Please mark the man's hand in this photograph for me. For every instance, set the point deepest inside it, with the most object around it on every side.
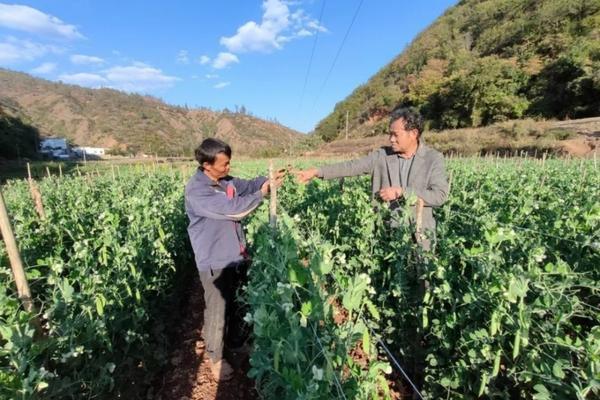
(390, 193)
(279, 176)
(306, 175)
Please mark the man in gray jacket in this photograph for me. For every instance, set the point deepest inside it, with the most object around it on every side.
(406, 167)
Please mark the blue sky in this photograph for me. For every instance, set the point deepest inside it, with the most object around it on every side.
(216, 54)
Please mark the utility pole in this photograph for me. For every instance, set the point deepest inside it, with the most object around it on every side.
(347, 112)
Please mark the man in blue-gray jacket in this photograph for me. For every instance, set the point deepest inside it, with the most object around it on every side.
(215, 204)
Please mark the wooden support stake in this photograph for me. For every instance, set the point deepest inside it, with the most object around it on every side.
(48, 171)
(183, 174)
(36, 196)
(419, 220)
(15, 258)
(60, 170)
(112, 170)
(544, 156)
(273, 198)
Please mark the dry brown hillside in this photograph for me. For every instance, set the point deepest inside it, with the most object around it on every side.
(132, 123)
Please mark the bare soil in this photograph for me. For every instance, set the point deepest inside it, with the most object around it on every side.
(188, 376)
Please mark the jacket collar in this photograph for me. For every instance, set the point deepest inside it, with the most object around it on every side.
(204, 179)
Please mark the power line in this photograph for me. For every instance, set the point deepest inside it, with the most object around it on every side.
(312, 53)
(338, 52)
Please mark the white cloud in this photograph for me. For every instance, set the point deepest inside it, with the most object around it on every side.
(183, 57)
(24, 18)
(80, 59)
(84, 79)
(221, 85)
(278, 26)
(138, 77)
(204, 59)
(224, 59)
(314, 25)
(14, 50)
(303, 32)
(44, 68)
(211, 76)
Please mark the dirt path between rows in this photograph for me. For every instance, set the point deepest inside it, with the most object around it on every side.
(188, 375)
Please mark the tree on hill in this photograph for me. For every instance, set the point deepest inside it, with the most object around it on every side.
(485, 61)
(17, 139)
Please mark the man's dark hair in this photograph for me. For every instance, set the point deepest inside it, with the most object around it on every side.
(412, 119)
(208, 150)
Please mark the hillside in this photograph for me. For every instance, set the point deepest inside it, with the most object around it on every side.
(576, 138)
(486, 61)
(129, 123)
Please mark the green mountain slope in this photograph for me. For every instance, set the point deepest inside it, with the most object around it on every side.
(486, 61)
(130, 123)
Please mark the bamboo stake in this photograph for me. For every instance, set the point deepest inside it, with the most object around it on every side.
(48, 171)
(16, 264)
(419, 219)
(112, 170)
(36, 196)
(273, 198)
(183, 174)
(60, 170)
(544, 156)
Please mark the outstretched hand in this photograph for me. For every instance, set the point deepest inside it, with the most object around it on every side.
(306, 175)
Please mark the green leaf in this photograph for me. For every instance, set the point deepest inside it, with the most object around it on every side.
(373, 310)
(66, 290)
(541, 392)
(100, 301)
(306, 308)
(366, 342)
(557, 370)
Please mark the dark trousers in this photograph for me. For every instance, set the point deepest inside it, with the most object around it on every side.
(223, 313)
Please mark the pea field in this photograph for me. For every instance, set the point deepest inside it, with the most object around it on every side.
(342, 303)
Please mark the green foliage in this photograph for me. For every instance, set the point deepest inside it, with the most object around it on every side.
(484, 93)
(564, 89)
(485, 61)
(17, 139)
(510, 305)
(510, 309)
(102, 269)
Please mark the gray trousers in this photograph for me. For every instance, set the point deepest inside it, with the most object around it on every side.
(223, 314)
